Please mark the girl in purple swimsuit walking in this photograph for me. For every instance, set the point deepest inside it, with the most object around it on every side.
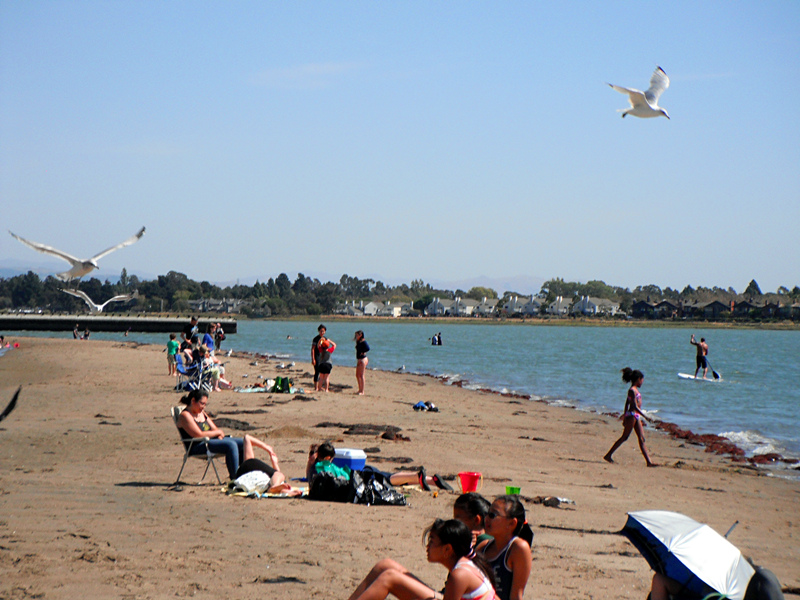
(632, 416)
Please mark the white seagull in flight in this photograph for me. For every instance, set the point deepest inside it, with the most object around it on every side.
(80, 267)
(645, 104)
(98, 308)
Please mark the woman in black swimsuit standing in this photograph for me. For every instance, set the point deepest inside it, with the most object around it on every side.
(362, 347)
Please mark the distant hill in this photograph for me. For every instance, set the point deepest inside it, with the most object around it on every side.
(10, 267)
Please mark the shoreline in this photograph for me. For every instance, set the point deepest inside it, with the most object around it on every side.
(89, 507)
(712, 442)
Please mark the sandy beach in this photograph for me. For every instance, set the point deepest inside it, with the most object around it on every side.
(88, 509)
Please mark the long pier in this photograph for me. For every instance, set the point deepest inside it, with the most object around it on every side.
(106, 323)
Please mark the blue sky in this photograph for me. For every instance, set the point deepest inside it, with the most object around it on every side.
(444, 141)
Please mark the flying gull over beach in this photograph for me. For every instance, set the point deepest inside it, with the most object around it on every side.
(645, 104)
(80, 267)
(98, 308)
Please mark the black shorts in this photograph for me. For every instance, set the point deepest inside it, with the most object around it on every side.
(324, 368)
(254, 464)
(701, 362)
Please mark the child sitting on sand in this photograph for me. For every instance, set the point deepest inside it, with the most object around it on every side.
(471, 509)
(448, 543)
(509, 553)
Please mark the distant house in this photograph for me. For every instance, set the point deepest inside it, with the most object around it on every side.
(707, 310)
(390, 310)
(408, 310)
(533, 306)
(463, 307)
(643, 309)
(439, 307)
(559, 306)
(486, 307)
(224, 305)
(515, 304)
(745, 308)
(594, 307)
(371, 308)
(350, 309)
(667, 309)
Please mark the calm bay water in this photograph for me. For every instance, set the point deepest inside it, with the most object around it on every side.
(755, 405)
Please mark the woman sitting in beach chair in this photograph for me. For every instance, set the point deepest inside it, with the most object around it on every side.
(448, 543)
(193, 422)
(509, 553)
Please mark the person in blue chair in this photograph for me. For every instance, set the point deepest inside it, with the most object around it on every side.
(193, 422)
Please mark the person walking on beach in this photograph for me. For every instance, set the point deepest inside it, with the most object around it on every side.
(362, 347)
(172, 350)
(632, 416)
(702, 352)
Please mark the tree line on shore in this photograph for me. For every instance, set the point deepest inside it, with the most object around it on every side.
(279, 296)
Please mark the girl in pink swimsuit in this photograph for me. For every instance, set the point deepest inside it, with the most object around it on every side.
(632, 416)
(449, 543)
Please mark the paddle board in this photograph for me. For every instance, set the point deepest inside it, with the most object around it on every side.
(693, 378)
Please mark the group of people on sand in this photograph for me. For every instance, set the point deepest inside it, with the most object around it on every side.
(199, 354)
(194, 422)
(321, 349)
(486, 549)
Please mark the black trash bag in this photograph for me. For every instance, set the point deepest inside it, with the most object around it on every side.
(329, 487)
(377, 491)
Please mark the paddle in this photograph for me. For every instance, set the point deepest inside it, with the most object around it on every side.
(713, 372)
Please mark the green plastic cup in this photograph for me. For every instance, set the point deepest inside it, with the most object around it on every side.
(512, 490)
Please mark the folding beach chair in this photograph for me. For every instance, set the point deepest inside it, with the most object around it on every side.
(191, 377)
(188, 444)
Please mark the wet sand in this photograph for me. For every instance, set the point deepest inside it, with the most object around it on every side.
(88, 509)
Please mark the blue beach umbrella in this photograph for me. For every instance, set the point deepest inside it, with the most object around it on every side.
(689, 552)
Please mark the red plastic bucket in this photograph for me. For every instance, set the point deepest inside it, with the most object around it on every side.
(469, 482)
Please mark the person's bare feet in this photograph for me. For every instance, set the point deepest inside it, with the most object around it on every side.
(608, 459)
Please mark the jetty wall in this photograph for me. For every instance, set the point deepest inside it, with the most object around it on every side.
(106, 323)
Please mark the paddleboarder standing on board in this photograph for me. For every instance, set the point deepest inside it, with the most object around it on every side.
(702, 352)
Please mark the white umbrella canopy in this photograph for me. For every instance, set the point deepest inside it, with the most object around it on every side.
(689, 552)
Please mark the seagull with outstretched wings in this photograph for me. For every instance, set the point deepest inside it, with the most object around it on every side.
(80, 267)
(645, 104)
(93, 306)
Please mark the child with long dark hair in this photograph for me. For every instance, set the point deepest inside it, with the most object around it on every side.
(471, 509)
(448, 543)
(632, 415)
(509, 553)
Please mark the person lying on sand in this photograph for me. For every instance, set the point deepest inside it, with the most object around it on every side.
(320, 460)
